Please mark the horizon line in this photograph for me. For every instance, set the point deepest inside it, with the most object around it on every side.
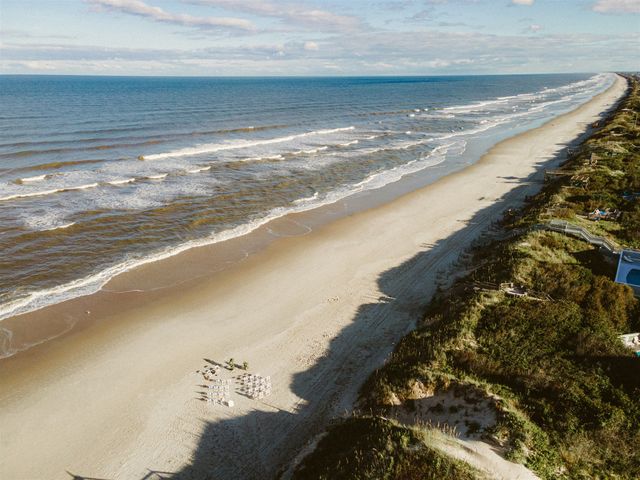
(311, 76)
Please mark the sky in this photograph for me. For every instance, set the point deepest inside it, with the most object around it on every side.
(317, 37)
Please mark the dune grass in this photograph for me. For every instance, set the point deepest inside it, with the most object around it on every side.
(375, 447)
(568, 390)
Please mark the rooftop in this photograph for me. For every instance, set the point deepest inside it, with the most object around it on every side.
(629, 269)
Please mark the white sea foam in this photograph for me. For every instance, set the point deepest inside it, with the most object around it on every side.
(489, 123)
(199, 169)
(37, 178)
(431, 159)
(306, 200)
(81, 187)
(60, 227)
(237, 144)
(474, 106)
(121, 182)
(440, 115)
(30, 194)
(92, 283)
(311, 150)
(541, 106)
(40, 193)
(595, 82)
(159, 176)
(397, 145)
(259, 159)
(46, 221)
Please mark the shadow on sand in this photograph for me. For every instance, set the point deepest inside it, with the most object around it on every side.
(260, 444)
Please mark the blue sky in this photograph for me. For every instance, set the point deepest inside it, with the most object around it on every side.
(318, 37)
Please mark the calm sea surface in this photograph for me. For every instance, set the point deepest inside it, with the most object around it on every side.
(99, 174)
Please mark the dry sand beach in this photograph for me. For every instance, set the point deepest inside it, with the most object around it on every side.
(122, 398)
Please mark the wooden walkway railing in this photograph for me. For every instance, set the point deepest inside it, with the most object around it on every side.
(563, 226)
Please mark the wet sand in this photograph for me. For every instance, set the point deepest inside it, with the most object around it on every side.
(119, 396)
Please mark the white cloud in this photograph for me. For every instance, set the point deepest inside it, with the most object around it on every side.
(295, 14)
(535, 28)
(359, 53)
(617, 6)
(38, 65)
(522, 2)
(23, 34)
(311, 46)
(138, 7)
(440, 63)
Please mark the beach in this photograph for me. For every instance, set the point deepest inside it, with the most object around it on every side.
(317, 311)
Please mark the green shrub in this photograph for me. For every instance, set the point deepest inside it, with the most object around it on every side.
(373, 447)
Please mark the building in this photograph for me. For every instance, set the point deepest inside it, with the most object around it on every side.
(629, 270)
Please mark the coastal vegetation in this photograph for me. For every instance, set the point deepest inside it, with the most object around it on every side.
(374, 447)
(526, 343)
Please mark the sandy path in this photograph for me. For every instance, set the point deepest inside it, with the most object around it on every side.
(317, 313)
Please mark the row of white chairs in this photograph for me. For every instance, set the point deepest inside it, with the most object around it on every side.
(221, 381)
(219, 388)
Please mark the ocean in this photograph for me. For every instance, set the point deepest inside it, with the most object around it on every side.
(100, 174)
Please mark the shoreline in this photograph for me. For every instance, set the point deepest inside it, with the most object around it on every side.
(307, 339)
(207, 258)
